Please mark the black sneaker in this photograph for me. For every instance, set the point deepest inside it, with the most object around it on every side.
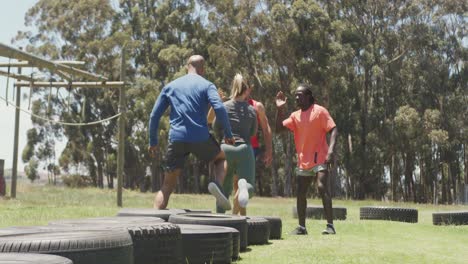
(329, 230)
(299, 230)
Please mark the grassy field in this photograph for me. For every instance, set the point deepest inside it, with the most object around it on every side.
(357, 241)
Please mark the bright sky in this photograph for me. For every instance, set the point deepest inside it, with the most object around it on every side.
(12, 19)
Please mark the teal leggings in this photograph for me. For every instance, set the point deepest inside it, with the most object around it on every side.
(241, 162)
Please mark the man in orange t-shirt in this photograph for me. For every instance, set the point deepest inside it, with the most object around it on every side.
(310, 125)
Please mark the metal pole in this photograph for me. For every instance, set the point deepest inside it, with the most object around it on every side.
(121, 151)
(14, 172)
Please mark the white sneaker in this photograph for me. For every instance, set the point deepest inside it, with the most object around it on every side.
(243, 193)
(221, 199)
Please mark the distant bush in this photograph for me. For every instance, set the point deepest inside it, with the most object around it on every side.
(76, 181)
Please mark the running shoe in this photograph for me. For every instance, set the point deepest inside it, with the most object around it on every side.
(329, 230)
(215, 189)
(299, 230)
(243, 193)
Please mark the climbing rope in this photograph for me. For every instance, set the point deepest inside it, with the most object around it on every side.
(60, 122)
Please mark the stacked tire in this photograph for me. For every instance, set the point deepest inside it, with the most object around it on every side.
(154, 241)
(276, 226)
(30, 258)
(208, 244)
(258, 231)
(79, 246)
(237, 222)
(149, 212)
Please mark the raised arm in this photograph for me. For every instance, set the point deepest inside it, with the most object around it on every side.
(211, 114)
(158, 110)
(221, 114)
(280, 112)
(264, 124)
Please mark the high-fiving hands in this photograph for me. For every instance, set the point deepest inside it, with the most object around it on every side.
(280, 99)
(153, 150)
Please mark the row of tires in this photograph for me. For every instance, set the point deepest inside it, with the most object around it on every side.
(389, 213)
(138, 236)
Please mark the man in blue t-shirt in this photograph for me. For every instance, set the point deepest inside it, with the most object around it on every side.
(189, 98)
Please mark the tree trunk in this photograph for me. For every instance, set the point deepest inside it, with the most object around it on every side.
(196, 176)
(393, 178)
(288, 166)
(261, 176)
(444, 186)
(465, 160)
(2, 178)
(409, 167)
(274, 175)
(100, 180)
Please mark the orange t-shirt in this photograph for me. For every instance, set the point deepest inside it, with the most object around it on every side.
(310, 129)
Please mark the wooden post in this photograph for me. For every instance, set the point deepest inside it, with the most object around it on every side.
(2, 179)
(14, 170)
(121, 151)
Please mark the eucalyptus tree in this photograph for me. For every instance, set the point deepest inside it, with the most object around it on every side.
(75, 30)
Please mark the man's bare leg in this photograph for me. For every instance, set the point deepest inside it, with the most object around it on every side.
(162, 196)
(322, 186)
(215, 188)
(303, 183)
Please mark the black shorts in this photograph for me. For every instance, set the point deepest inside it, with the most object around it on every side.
(177, 152)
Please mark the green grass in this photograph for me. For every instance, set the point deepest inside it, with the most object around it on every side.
(357, 241)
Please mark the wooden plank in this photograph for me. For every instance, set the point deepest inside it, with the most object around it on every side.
(122, 123)
(28, 64)
(18, 77)
(72, 84)
(10, 52)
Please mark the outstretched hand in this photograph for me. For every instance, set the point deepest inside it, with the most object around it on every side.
(153, 150)
(222, 95)
(280, 99)
(229, 141)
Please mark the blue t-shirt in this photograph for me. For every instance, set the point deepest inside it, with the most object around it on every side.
(189, 97)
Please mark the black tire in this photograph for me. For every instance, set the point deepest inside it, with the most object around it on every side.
(276, 226)
(30, 258)
(235, 243)
(206, 244)
(450, 218)
(202, 211)
(389, 213)
(316, 212)
(154, 241)
(150, 212)
(108, 221)
(82, 247)
(259, 231)
(237, 222)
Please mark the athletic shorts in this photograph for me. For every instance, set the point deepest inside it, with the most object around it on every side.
(312, 171)
(178, 151)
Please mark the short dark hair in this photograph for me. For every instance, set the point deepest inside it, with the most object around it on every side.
(308, 89)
